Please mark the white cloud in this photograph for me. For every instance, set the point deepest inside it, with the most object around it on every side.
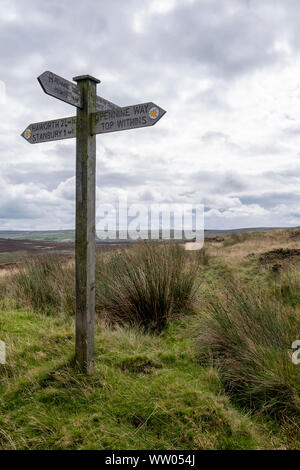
(226, 72)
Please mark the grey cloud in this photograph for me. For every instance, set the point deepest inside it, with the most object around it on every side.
(215, 136)
(46, 179)
(220, 182)
(292, 131)
(228, 38)
(16, 209)
(118, 179)
(233, 41)
(283, 176)
(268, 148)
(271, 199)
(139, 178)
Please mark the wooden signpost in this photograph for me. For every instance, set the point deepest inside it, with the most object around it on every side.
(95, 115)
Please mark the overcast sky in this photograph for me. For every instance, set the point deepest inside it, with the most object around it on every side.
(226, 71)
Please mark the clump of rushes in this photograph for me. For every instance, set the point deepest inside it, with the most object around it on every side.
(287, 288)
(247, 336)
(145, 285)
(44, 284)
(235, 238)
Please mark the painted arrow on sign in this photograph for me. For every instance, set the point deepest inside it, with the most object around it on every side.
(129, 117)
(64, 128)
(62, 89)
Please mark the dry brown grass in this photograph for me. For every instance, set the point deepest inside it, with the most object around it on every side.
(256, 243)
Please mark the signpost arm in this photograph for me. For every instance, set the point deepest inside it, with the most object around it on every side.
(85, 225)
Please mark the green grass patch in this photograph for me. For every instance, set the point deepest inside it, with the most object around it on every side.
(150, 391)
(147, 392)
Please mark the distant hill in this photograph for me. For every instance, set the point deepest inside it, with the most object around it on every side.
(42, 235)
(214, 233)
(69, 235)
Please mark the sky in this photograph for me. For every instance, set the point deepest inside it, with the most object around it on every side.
(226, 72)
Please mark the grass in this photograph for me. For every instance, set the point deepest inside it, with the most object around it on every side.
(12, 257)
(253, 244)
(146, 285)
(247, 336)
(43, 284)
(288, 287)
(148, 392)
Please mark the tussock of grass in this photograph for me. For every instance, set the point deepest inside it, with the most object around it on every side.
(146, 285)
(287, 288)
(235, 238)
(44, 284)
(247, 336)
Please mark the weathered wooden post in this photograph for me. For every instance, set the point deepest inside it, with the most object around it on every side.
(95, 115)
(85, 225)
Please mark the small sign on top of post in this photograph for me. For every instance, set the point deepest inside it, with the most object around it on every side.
(62, 89)
(95, 115)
